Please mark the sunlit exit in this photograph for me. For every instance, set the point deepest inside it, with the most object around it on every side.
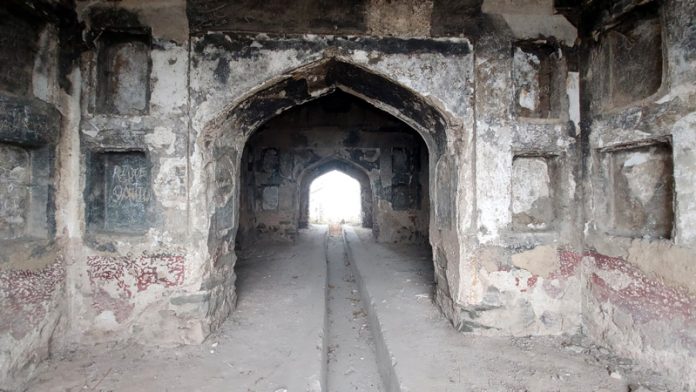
(334, 198)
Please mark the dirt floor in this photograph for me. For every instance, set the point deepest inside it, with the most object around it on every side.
(272, 342)
(420, 351)
(328, 314)
(352, 359)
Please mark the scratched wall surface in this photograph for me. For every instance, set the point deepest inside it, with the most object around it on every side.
(27, 294)
(137, 254)
(115, 280)
(119, 192)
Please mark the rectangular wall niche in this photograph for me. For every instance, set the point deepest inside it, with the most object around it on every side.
(642, 186)
(533, 202)
(539, 79)
(18, 45)
(15, 180)
(633, 51)
(24, 191)
(120, 195)
(269, 198)
(405, 188)
(123, 73)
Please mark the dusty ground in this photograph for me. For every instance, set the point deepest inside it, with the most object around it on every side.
(352, 363)
(287, 335)
(272, 342)
(427, 354)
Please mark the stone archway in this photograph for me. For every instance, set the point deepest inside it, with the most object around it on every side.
(223, 141)
(320, 168)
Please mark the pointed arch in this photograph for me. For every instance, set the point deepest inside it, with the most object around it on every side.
(321, 78)
(349, 168)
(222, 142)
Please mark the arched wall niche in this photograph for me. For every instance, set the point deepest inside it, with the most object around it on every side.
(349, 168)
(223, 139)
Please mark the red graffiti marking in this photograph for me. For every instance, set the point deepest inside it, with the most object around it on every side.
(532, 280)
(569, 262)
(645, 298)
(146, 270)
(555, 283)
(26, 296)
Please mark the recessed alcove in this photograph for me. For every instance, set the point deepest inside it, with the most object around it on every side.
(642, 190)
(123, 73)
(538, 80)
(118, 195)
(628, 59)
(534, 202)
(28, 133)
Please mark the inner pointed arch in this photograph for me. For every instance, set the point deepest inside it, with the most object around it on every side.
(346, 167)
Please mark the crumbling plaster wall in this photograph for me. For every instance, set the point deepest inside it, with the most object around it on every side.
(135, 275)
(519, 274)
(639, 293)
(38, 111)
(479, 286)
(506, 222)
(166, 262)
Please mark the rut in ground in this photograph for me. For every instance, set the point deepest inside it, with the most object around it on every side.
(352, 363)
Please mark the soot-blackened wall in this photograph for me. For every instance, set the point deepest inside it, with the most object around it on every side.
(337, 132)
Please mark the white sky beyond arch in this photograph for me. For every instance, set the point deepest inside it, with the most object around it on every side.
(334, 197)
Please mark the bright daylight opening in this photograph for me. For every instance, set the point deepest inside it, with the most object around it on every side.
(334, 198)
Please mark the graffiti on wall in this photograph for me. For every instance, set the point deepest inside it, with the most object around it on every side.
(26, 295)
(645, 298)
(129, 273)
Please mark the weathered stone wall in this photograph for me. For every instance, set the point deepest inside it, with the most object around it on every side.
(35, 115)
(639, 105)
(540, 223)
(158, 165)
(136, 275)
(519, 271)
(286, 154)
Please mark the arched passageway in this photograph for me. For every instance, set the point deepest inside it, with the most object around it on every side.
(336, 132)
(390, 162)
(250, 196)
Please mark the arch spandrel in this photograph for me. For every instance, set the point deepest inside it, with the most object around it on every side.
(315, 80)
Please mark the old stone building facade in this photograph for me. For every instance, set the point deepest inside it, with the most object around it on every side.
(545, 151)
